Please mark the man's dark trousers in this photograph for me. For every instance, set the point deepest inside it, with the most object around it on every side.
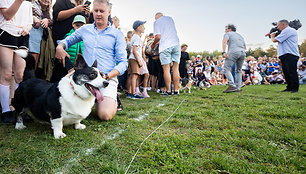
(289, 66)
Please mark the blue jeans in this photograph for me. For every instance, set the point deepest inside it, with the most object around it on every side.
(236, 58)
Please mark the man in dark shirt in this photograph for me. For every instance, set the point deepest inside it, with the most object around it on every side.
(64, 12)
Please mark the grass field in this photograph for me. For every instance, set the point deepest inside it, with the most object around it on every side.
(260, 130)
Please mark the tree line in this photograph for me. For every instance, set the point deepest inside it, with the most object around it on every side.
(258, 52)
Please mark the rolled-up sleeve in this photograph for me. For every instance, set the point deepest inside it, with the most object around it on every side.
(74, 38)
(285, 34)
(121, 54)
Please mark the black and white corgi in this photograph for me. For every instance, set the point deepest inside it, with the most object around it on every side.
(64, 103)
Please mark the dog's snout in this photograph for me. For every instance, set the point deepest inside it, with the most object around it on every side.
(105, 84)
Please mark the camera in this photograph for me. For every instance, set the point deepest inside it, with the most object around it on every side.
(296, 24)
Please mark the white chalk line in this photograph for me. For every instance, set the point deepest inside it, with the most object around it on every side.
(90, 151)
(152, 134)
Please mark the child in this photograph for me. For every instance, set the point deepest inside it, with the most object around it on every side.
(77, 48)
(136, 62)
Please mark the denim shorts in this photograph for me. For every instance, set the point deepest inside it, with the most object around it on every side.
(35, 40)
(169, 55)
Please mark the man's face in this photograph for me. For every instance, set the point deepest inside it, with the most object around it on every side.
(281, 26)
(101, 12)
(141, 28)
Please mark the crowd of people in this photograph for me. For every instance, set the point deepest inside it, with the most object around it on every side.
(155, 63)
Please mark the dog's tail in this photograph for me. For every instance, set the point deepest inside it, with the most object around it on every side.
(29, 71)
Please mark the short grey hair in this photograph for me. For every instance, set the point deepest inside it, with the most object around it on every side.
(284, 21)
(159, 14)
(103, 1)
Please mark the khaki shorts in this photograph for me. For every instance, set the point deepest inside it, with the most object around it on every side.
(133, 67)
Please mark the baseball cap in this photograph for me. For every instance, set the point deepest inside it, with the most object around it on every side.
(198, 55)
(137, 24)
(79, 18)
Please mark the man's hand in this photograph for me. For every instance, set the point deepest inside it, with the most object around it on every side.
(80, 8)
(225, 55)
(61, 54)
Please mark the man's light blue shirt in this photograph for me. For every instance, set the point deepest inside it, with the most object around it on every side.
(107, 46)
(288, 42)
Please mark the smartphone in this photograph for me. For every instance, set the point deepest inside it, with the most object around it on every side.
(87, 3)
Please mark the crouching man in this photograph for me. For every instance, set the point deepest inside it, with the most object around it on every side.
(106, 44)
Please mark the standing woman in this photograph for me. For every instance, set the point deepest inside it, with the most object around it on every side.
(16, 21)
(42, 19)
(183, 61)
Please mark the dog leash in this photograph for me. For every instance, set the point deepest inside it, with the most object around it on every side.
(152, 134)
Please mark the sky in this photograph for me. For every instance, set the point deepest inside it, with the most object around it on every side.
(201, 23)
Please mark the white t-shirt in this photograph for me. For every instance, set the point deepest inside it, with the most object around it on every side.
(22, 18)
(207, 75)
(136, 41)
(166, 28)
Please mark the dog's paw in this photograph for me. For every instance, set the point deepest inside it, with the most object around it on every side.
(59, 135)
(79, 126)
(19, 126)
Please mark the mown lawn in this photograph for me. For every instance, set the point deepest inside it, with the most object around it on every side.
(260, 130)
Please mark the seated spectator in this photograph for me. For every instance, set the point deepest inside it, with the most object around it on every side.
(208, 75)
(77, 48)
(272, 66)
(302, 73)
(256, 77)
(264, 77)
(263, 66)
(276, 78)
(200, 77)
(214, 76)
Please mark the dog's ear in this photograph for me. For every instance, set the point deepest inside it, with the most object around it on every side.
(95, 64)
(80, 62)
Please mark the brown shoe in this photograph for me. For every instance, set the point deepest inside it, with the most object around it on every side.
(230, 89)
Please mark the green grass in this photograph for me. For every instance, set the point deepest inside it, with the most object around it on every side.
(260, 130)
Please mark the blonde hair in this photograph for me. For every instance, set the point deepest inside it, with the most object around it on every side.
(184, 45)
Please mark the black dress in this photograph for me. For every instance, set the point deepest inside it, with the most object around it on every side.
(182, 67)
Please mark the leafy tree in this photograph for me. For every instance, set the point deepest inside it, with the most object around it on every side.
(249, 52)
(303, 48)
(259, 52)
(271, 52)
